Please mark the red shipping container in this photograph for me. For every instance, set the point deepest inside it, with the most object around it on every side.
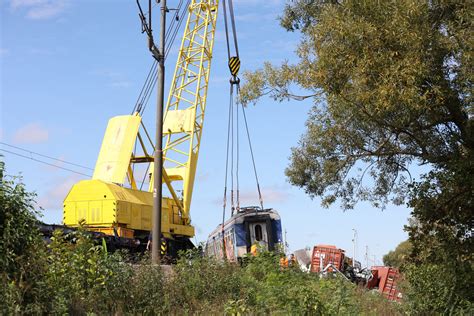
(387, 282)
(324, 255)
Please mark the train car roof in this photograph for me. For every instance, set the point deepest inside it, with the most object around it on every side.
(240, 216)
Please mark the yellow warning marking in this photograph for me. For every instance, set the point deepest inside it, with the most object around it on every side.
(163, 247)
(234, 65)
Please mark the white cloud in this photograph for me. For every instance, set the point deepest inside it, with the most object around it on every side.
(40, 9)
(31, 134)
(54, 197)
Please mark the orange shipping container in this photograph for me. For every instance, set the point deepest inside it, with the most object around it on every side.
(324, 255)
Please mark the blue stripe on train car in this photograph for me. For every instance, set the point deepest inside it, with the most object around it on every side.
(276, 228)
(240, 235)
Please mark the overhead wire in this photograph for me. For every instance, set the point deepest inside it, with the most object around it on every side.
(139, 104)
(150, 81)
(46, 156)
(178, 26)
(44, 162)
(170, 36)
(144, 176)
(148, 92)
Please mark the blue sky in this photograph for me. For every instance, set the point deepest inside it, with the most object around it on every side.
(66, 67)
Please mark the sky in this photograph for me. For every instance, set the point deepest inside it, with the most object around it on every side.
(66, 67)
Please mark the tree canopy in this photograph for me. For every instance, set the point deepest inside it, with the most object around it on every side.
(392, 86)
(399, 256)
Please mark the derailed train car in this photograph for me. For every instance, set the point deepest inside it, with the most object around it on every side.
(250, 226)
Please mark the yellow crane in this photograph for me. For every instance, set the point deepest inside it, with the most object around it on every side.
(111, 202)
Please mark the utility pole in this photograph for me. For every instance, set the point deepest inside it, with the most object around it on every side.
(366, 256)
(158, 154)
(354, 241)
(159, 54)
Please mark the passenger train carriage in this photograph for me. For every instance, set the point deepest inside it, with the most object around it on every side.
(251, 225)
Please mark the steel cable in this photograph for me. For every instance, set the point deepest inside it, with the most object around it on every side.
(237, 153)
(226, 166)
(44, 162)
(232, 19)
(45, 156)
(251, 149)
(226, 29)
(150, 81)
(138, 104)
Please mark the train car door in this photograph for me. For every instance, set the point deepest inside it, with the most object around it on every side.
(259, 234)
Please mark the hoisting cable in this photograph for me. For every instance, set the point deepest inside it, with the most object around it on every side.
(237, 154)
(232, 19)
(234, 66)
(226, 169)
(232, 153)
(234, 61)
(251, 149)
(226, 30)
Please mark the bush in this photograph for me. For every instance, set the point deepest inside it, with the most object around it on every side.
(82, 276)
(22, 252)
(434, 288)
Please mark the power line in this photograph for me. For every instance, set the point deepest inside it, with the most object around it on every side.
(170, 36)
(44, 162)
(45, 156)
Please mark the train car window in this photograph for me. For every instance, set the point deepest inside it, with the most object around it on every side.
(258, 232)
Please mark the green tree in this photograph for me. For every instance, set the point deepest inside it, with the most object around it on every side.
(22, 252)
(392, 88)
(399, 256)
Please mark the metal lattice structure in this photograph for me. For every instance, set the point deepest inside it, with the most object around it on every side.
(184, 111)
